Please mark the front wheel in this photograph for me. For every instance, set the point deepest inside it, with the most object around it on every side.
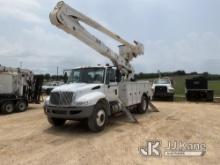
(99, 118)
(143, 106)
(56, 122)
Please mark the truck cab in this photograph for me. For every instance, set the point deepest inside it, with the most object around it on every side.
(93, 94)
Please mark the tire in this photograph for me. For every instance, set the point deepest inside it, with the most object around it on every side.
(56, 122)
(99, 118)
(143, 106)
(21, 106)
(7, 107)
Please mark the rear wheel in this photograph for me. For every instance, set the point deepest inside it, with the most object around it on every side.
(55, 121)
(143, 106)
(7, 107)
(99, 118)
(21, 106)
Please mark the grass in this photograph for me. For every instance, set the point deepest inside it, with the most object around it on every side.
(215, 85)
(179, 84)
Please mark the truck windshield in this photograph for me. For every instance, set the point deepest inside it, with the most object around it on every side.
(87, 75)
(162, 81)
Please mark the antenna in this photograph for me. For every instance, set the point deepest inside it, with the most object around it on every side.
(21, 63)
(159, 73)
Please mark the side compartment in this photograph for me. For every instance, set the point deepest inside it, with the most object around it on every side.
(125, 93)
(131, 92)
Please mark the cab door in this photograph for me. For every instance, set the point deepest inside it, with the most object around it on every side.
(111, 86)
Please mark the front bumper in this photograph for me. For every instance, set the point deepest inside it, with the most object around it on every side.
(68, 112)
(163, 94)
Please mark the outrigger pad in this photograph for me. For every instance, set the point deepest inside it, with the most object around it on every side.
(132, 118)
(154, 108)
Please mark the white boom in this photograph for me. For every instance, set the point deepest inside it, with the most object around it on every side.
(68, 19)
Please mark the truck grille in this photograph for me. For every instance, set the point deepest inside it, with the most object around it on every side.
(160, 89)
(61, 98)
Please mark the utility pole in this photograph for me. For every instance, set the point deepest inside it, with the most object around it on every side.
(159, 73)
(57, 72)
(21, 64)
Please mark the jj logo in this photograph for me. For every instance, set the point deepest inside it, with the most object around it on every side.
(152, 148)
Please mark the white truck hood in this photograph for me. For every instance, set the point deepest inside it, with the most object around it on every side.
(75, 87)
(163, 85)
(84, 94)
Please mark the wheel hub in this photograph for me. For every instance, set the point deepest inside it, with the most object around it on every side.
(144, 105)
(22, 106)
(9, 108)
(100, 118)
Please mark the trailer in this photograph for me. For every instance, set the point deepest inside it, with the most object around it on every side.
(197, 90)
(18, 87)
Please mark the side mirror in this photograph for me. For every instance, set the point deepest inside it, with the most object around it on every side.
(65, 77)
(118, 76)
(107, 81)
(172, 82)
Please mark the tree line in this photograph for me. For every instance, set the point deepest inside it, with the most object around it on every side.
(141, 75)
(177, 73)
(49, 77)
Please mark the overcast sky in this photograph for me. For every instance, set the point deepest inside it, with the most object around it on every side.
(177, 34)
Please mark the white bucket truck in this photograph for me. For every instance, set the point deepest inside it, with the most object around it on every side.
(94, 93)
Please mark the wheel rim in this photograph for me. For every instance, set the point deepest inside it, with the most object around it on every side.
(144, 105)
(9, 108)
(22, 106)
(100, 118)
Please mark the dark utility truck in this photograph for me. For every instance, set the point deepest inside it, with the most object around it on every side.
(197, 90)
(18, 87)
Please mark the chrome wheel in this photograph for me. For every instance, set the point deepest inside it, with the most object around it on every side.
(144, 105)
(100, 118)
(97, 121)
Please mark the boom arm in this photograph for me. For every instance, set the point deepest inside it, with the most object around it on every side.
(68, 19)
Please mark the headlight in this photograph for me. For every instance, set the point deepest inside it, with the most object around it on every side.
(82, 103)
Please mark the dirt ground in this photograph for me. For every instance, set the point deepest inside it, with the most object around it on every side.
(27, 138)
